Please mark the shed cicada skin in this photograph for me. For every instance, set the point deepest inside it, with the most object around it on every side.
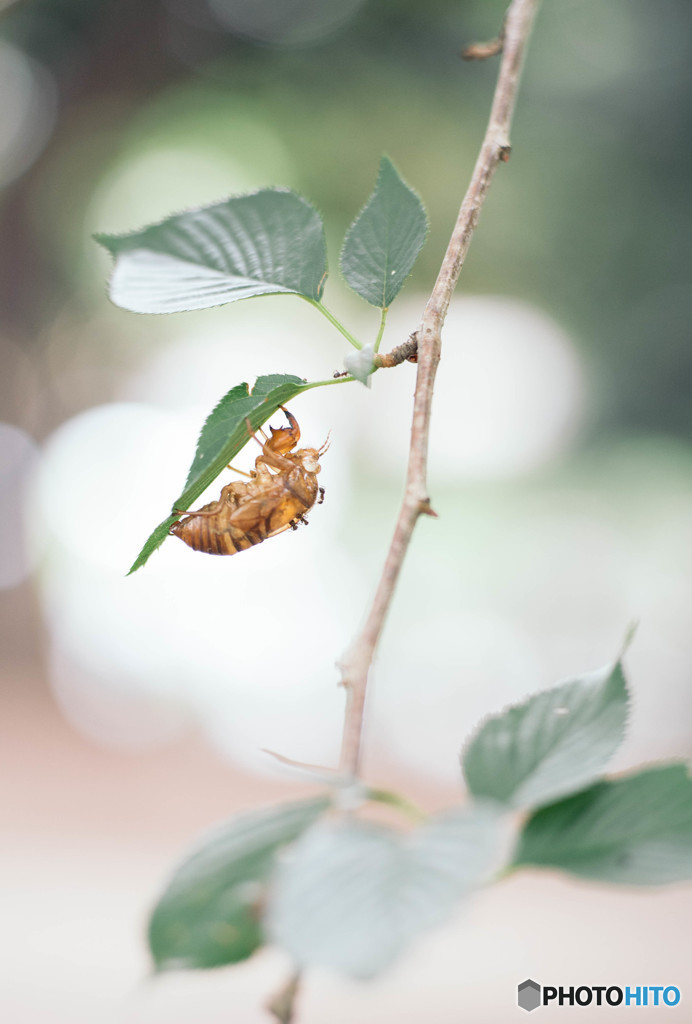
(274, 497)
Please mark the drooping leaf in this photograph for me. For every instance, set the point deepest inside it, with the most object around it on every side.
(210, 912)
(632, 831)
(260, 244)
(351, 896)
(550, 745)
(223, 435)
(383, 242)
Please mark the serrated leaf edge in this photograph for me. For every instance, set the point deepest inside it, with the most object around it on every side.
(384, 158)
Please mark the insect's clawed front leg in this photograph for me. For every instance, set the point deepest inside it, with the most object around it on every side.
(292, 421)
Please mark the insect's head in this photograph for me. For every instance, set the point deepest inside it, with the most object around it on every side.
(309, 459)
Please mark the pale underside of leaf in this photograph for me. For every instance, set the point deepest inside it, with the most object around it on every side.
(149, 282)
(351, 897)
(269, 242)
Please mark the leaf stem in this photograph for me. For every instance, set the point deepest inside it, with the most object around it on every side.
(330, 380)
(334, 321)
(495, 149)
(400, 803)
(383, 320)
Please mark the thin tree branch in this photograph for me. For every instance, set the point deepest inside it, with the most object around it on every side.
(355, 665)
(408, 350)
(282, 1004)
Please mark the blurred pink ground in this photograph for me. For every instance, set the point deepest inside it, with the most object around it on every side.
(88, 837)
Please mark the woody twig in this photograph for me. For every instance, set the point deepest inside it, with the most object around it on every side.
(495, 149)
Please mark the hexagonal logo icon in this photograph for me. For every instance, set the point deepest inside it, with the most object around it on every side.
(529, 995)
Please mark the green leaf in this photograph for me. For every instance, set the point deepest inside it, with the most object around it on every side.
(351, 896)
(633, 831)
(552, 744)
(383, 242)
(267, 242)
(223, 435)
(209, 914)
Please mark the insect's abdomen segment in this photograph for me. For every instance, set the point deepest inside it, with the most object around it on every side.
(201, 534)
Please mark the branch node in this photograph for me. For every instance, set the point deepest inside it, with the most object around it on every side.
(505, 153)
(425, 509)
(481, 51)
(408, 351)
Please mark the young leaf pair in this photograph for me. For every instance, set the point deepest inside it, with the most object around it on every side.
(266, 243)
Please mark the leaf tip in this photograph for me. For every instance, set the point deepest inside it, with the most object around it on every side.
(386, 162)
(382, 244)
(628, 639)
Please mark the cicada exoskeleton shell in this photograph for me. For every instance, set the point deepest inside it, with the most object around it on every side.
(275, 497)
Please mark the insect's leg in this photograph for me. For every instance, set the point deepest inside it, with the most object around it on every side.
(321, 496)
(262, 459)
(191, 512)
(282, 529)
(300, 520)
(241, 471)
(274, 460)
(293, 421)
(252, 433)
(283, 439)
(212, 509)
